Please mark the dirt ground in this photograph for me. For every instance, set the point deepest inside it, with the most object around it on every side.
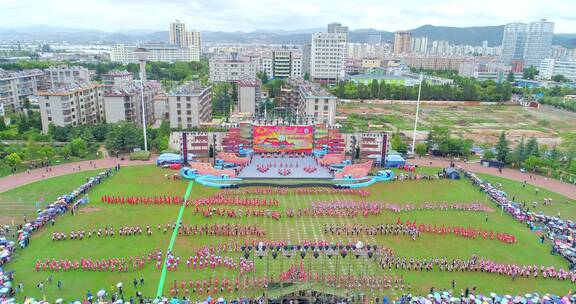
(481, 123)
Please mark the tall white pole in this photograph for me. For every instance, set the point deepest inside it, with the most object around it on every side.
(417, 112)
(143, 112)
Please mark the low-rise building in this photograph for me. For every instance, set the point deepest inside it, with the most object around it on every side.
(552, 67)
(157, 52)
(73, 105)
(16, 86)
(494, 71)
(190, 105)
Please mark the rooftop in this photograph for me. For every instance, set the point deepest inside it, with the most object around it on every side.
(117, 73)
(191, 88)
(133, 89)
(64, 67)
(69, 89)
(311, 89)
(5, 74)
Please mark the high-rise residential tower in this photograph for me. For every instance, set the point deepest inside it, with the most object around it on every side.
(178, 34)
(328, 53)
(402, 42)
(529, 42)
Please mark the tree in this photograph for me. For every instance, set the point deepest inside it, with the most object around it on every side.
(569, 146)
(123, 137)
(488, 154)
(13, 159)
(99, 131)
(530, 73)
(78, 147)
(510, 77)
(3, 124)
(397, 143)
(520, 152)
(559, 78)
(532, 162)
(502, 148)
(32, 149)
(374, 89)
(307, 76)
(421, 149)
(532, 147)
(262, 76)
(46, 152)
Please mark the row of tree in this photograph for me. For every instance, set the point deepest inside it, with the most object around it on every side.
(467, 90)
(533, 156)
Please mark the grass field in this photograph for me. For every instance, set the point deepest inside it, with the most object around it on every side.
(149, 181)
(22, 201)
(561, 206)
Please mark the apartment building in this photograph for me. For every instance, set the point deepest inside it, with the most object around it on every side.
(16, 86)
(402, 42)
(282, 64)
(115, 80)
(310, 99)
(328, 54)
(73, 105)
(190, 105)
(125, 103)
(233, 68)
(64, 75)
(248, 95)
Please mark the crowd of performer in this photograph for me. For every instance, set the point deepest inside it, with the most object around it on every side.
(475, 264)
(285, 191)
(376, 207)
(284, 171)
(221, 230)
(106, 232)
(414, 230)
(101, 265)
(142, 200)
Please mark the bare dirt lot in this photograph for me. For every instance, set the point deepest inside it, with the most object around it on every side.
(478, 122)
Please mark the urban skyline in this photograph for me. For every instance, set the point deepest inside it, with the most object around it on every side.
(239, 16)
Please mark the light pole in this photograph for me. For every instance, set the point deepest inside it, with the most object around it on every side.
(142, 54)
(417, 112)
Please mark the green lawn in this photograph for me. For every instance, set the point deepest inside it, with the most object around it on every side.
(560, 204)
(149, 180)
(22, 201)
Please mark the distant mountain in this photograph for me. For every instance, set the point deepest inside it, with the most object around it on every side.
(457, 35)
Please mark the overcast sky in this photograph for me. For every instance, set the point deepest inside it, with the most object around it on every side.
(248, 15)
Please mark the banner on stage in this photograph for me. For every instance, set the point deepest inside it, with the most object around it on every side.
(291, 139)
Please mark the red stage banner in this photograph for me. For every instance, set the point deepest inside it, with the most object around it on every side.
(291, 139)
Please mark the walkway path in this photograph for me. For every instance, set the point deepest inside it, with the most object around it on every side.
(557, 186)
(23, 178)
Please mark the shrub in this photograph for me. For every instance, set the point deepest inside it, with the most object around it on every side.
(140, 155)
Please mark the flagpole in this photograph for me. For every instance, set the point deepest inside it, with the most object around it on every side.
(417, 112)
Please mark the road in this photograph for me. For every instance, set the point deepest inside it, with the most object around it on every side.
(554, 185)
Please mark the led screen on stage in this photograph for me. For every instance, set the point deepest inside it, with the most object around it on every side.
(283, 139)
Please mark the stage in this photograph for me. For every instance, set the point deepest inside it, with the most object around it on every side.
(306, 167)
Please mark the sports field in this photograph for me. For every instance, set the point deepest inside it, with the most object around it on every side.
(150, 181)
